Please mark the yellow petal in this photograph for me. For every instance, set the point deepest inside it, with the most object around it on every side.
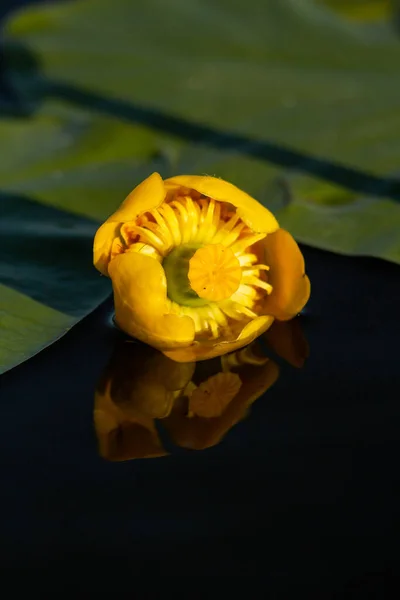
(205, 350)
(141, 307)
(103, 242)
(254, 214)
(253, 329)
(147, 195)
(291, 286)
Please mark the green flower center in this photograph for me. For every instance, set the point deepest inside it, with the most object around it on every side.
(176, 268)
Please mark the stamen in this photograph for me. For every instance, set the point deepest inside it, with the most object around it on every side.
(219, 315)
(204, 207)
(246, 311)
(242, 244)
(259, 283)
(214, 328)
(193, 216)
(216, 220)
(172, 222)
(230, 309)
(255, 269)
(226, 228)
(151, 238)
(145, 249)
(247, 290)
(243, 300)
(160, 229)
(246, 259)
(183, 219)
(233, 235)
(207, 214)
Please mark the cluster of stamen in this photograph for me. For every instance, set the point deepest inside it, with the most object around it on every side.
(233, 286)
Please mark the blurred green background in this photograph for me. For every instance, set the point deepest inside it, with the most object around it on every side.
(295, 101)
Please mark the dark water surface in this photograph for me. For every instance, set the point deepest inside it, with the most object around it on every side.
(304, 489)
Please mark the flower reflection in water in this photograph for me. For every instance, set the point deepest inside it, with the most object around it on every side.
(196, 404)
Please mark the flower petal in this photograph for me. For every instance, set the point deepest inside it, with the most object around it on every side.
(147, 195)
(291, 286)
(103, 242)
(205, 350)
(254, 214)
(141, 308)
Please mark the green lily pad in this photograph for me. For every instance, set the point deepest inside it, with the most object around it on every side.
(295, 102)
(362, 10)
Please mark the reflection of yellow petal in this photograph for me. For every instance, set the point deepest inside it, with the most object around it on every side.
(291, 286)
(146, 381)
(213, 395)
(198, 432)
(147, 195)
(121, 438)
(140, 294)
(138, 385)
(249, 355)
(286, 338)
(256, 216)
(147, 397)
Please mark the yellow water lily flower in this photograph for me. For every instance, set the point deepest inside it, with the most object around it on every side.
(196, 404)
(198, 267)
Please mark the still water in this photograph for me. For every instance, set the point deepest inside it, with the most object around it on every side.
(294, 473)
